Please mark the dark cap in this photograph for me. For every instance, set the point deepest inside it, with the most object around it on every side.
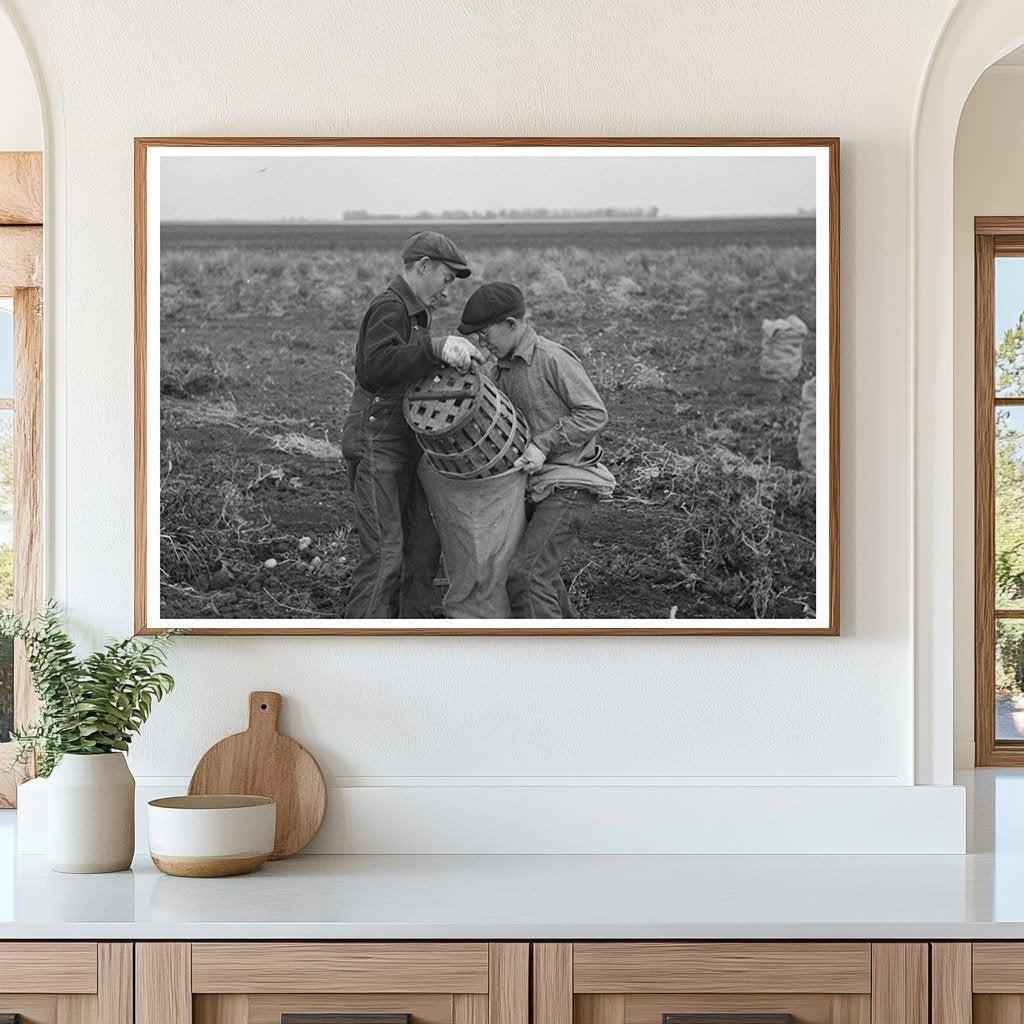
(435, 246)
(490, 304)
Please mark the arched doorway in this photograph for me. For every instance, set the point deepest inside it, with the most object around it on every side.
(977, 33)
(21, 215)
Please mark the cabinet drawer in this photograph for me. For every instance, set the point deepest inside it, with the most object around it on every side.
(980, 982)
(633, 967)
(733, 982)
(998, 967)
(66, 982)
(332, 983)
(340, 967)
(66, 967)
(642, 982)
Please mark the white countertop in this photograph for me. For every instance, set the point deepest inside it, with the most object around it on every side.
(517, 897)
(976, 896)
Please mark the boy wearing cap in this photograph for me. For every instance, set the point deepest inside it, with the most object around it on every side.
(548, 384)
(399, 545)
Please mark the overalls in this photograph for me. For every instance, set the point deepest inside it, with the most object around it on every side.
(400, 549)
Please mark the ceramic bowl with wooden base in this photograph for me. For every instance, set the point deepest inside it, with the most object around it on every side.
(211, 836)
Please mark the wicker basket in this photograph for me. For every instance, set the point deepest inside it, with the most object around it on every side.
(467, 427)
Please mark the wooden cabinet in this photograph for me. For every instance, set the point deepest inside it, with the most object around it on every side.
(66, 982)
(653, 982)
(264, 982)
(977, 982)
(494, 983)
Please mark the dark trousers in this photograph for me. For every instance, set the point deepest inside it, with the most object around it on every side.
(400, 549)
(535, 586)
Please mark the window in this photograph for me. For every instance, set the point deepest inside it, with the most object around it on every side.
(6, 510)
(21, 363)
(999, 490)
(20, 503)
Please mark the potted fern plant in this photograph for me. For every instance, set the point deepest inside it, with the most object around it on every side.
(90, 708)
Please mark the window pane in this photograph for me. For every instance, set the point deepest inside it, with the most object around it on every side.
(6, 351)
(1009, 508)
(1009, 679)
(6, 567)
(1009, 316)
(6, 689)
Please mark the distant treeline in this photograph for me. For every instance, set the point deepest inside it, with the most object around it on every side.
(659, 233)
(535, 213)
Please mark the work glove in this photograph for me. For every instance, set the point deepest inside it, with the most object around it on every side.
(531, 460)
(460, 353)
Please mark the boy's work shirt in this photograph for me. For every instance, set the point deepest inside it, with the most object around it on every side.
(548, 384)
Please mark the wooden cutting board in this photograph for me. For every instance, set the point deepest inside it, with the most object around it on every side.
(262, 762)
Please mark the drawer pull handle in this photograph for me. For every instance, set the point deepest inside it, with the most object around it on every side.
(341, 1018)
(727, 1018)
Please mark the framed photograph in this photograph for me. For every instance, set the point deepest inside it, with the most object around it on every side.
(476, 385)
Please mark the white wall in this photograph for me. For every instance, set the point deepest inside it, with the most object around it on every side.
(427, 716)
(21, 127)
(987, 182)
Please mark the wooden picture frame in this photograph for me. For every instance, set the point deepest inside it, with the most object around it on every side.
(206, 306)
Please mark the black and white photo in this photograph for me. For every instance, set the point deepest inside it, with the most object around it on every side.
(444, 386)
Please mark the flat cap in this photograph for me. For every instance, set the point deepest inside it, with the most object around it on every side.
(435, 246)
(490, 304)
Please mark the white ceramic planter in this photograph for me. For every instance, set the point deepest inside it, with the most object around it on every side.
(90, 814)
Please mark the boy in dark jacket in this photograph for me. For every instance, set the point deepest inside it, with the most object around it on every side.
(399, 545)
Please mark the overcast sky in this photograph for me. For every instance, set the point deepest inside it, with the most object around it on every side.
(270, 187)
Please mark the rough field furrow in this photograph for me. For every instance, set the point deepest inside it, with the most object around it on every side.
(713, 515)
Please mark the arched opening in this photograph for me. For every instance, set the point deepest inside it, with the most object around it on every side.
(976, 35)
(989, 149)
(21, 146)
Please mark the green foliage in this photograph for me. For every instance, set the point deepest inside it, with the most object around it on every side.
(89, 705)
(6, 572)
(1009, 656)
(1010, 361)
(1009, 512)
(6, 507)
(6, 688)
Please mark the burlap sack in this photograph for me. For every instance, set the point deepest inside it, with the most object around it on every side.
(782, 348)
(806, 440)
(480, 523)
